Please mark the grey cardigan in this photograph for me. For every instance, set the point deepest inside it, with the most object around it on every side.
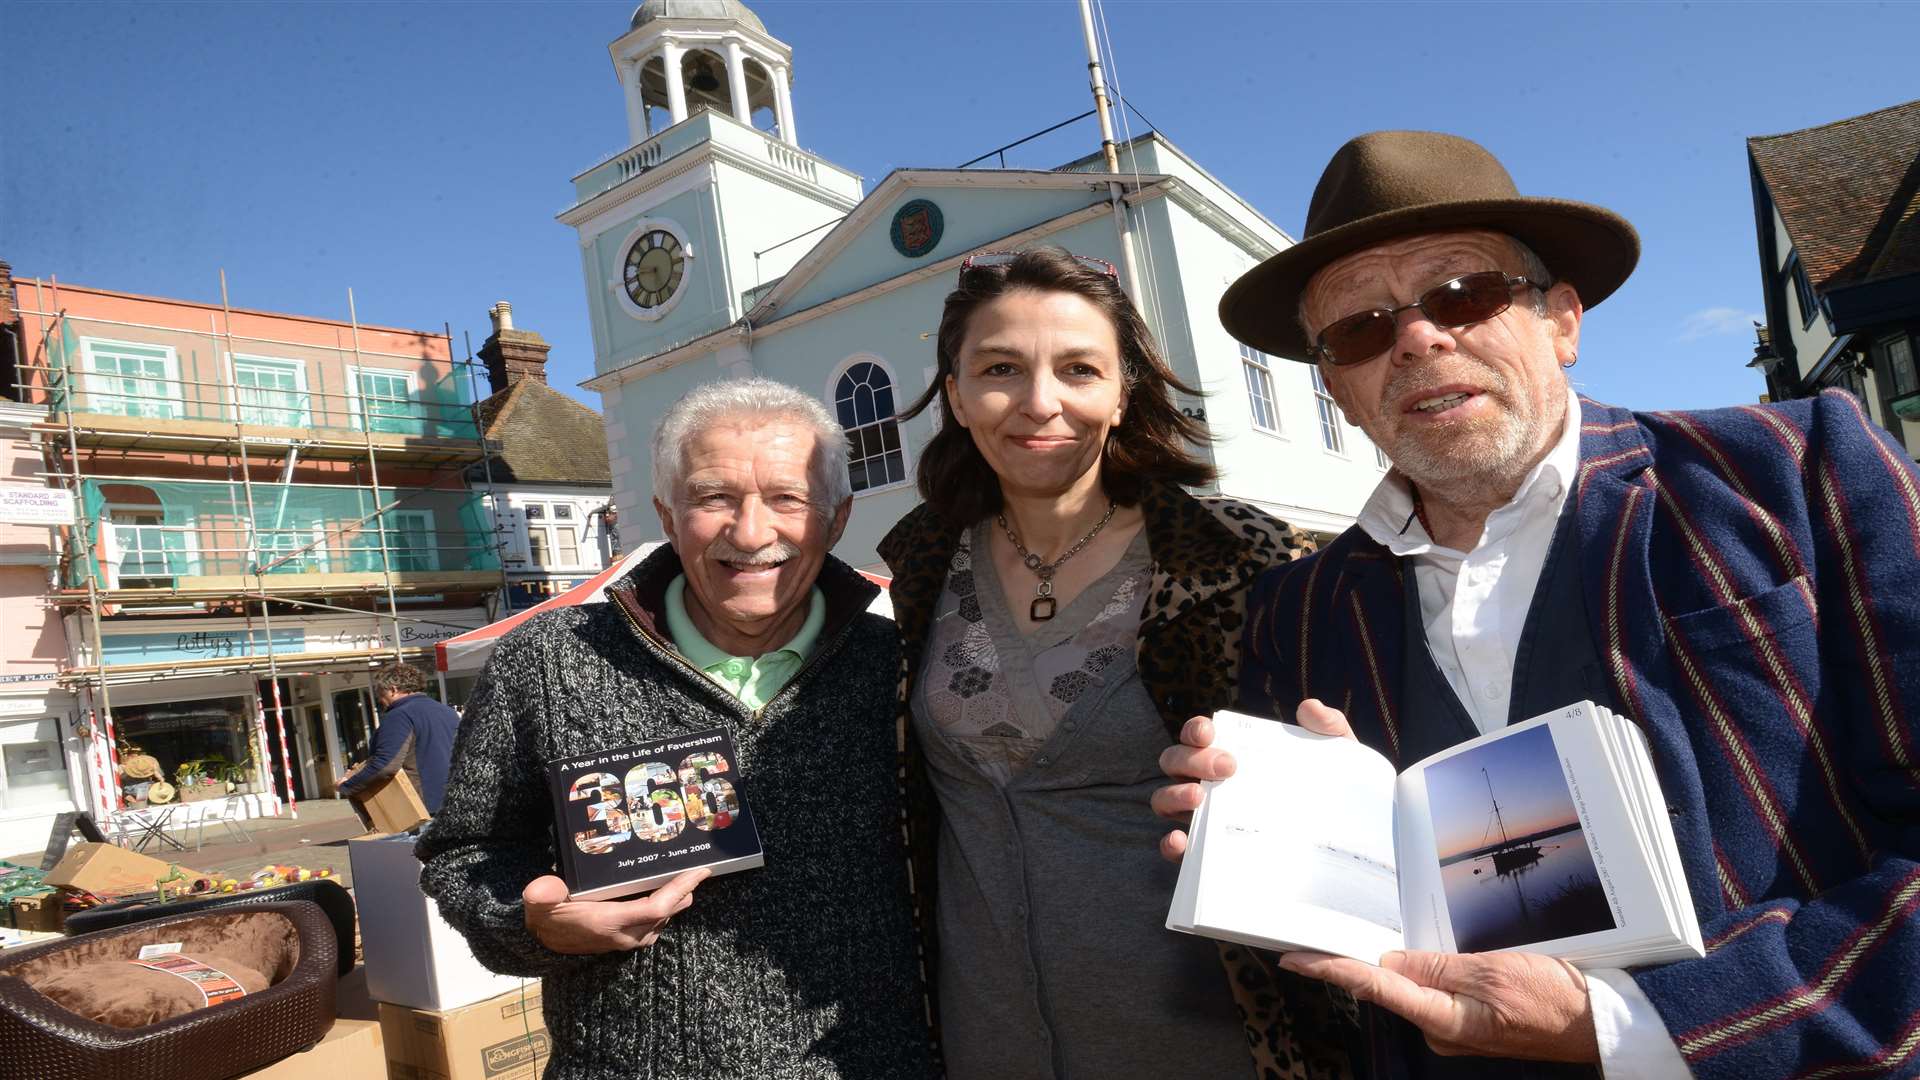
(804, 968)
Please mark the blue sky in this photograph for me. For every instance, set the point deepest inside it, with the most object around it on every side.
(418, 151)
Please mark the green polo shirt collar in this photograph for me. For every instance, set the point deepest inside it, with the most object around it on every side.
(752, 679)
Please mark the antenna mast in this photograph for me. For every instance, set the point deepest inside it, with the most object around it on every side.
(1107, 151)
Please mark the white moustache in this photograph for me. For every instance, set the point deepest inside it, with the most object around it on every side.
(1425, 377)
(772, 555)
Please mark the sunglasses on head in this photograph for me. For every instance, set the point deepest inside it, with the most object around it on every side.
(1467, 299)
(982, 259)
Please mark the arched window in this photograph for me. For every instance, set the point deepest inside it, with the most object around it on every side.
(863, 401)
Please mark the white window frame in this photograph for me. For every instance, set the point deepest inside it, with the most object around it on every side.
(1332, 438)
(391, 524)
(317, 553)
(832, 399)
(356, 411)
(302, 411)
(188, 529)
(547, 526)
(1887, 347)
(172, 401)
(1256, 366)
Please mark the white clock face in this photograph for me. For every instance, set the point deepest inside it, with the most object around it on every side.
(655, 266)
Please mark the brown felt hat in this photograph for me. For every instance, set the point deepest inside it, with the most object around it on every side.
(1389, 184)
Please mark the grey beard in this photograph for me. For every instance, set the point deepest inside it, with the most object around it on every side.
(1486, 455)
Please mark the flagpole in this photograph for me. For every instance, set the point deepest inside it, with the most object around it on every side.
(1114, 191)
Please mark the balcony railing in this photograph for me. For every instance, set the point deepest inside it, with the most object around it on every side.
(111, 371)
(208, 536)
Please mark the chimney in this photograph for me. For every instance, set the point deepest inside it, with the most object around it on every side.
(512, 355)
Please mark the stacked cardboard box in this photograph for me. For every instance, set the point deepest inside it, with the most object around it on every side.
(443, 1015)
(502, 1038)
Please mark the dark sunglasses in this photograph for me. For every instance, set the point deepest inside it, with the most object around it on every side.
(982, 259)
(1465, 300)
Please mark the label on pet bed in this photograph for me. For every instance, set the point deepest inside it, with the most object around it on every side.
(215, 985)
(148, 952)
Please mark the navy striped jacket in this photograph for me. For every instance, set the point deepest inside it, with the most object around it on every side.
(1752, 579)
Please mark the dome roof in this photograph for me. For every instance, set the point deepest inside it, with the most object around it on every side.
(725, 10)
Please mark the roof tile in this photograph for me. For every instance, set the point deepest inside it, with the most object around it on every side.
(1849, 193)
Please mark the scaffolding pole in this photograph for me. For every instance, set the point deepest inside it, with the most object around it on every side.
(253, 559)
(105, 753)
(373, 470)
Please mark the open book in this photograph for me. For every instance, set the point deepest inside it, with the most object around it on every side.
(1547, 836)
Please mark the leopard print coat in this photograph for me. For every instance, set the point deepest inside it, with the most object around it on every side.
(1205, 553)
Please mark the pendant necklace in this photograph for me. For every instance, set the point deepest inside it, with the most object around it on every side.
(1044, 604)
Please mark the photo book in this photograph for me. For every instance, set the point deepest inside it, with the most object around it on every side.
(630, 819)
(1548, 836)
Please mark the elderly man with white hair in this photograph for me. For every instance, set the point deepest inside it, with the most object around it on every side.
(803, 968)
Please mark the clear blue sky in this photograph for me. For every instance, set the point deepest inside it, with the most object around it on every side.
(418, 151)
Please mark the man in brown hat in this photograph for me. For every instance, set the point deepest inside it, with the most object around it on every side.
(1743, 583)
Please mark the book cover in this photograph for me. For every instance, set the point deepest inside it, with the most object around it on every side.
(630, 819)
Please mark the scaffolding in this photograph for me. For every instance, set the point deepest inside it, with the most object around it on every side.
(140, 413)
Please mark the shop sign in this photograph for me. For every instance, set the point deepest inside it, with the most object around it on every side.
(530, 591)
(197, 645)
(29, 706)
(421, 634)
(31, 676)
(21, 505)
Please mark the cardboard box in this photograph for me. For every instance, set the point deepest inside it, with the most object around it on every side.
(106, 870)
(503, 1038)
(389, 805)
(45, 912)
(413, 958)
(352, 1050)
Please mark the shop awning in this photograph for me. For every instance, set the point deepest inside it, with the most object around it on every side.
(468, 653)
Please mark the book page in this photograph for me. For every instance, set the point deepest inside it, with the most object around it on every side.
(1295, 850)
(1530, 844)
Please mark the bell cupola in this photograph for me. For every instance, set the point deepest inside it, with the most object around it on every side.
(681, 56)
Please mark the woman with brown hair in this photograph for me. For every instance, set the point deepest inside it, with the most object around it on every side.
(1065, 605)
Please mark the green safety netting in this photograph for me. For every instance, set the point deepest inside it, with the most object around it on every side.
(156, 533)
(117, 370)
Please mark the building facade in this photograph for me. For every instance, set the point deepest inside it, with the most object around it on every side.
(1837, 215)
(266, 507)
(547, 482)
(716, 246)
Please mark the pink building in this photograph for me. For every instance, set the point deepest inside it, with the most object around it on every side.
(265, 507)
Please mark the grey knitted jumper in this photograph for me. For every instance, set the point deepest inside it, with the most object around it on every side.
(804, 968)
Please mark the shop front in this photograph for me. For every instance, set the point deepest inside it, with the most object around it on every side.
(40, 767)
(192, 745)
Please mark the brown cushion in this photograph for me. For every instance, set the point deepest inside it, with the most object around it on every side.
(91, 976)
(126, 995)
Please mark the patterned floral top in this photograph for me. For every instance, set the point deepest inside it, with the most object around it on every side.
(999, 705)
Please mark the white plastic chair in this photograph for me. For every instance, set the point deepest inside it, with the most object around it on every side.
(229, 817)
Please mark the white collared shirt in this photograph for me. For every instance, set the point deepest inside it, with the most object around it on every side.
(1473, 607)
(1473, 604)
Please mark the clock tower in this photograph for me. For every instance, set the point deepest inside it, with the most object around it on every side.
(711, 201)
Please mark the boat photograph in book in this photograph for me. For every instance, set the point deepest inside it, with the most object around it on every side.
(1514, 859)
(1548, 835)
